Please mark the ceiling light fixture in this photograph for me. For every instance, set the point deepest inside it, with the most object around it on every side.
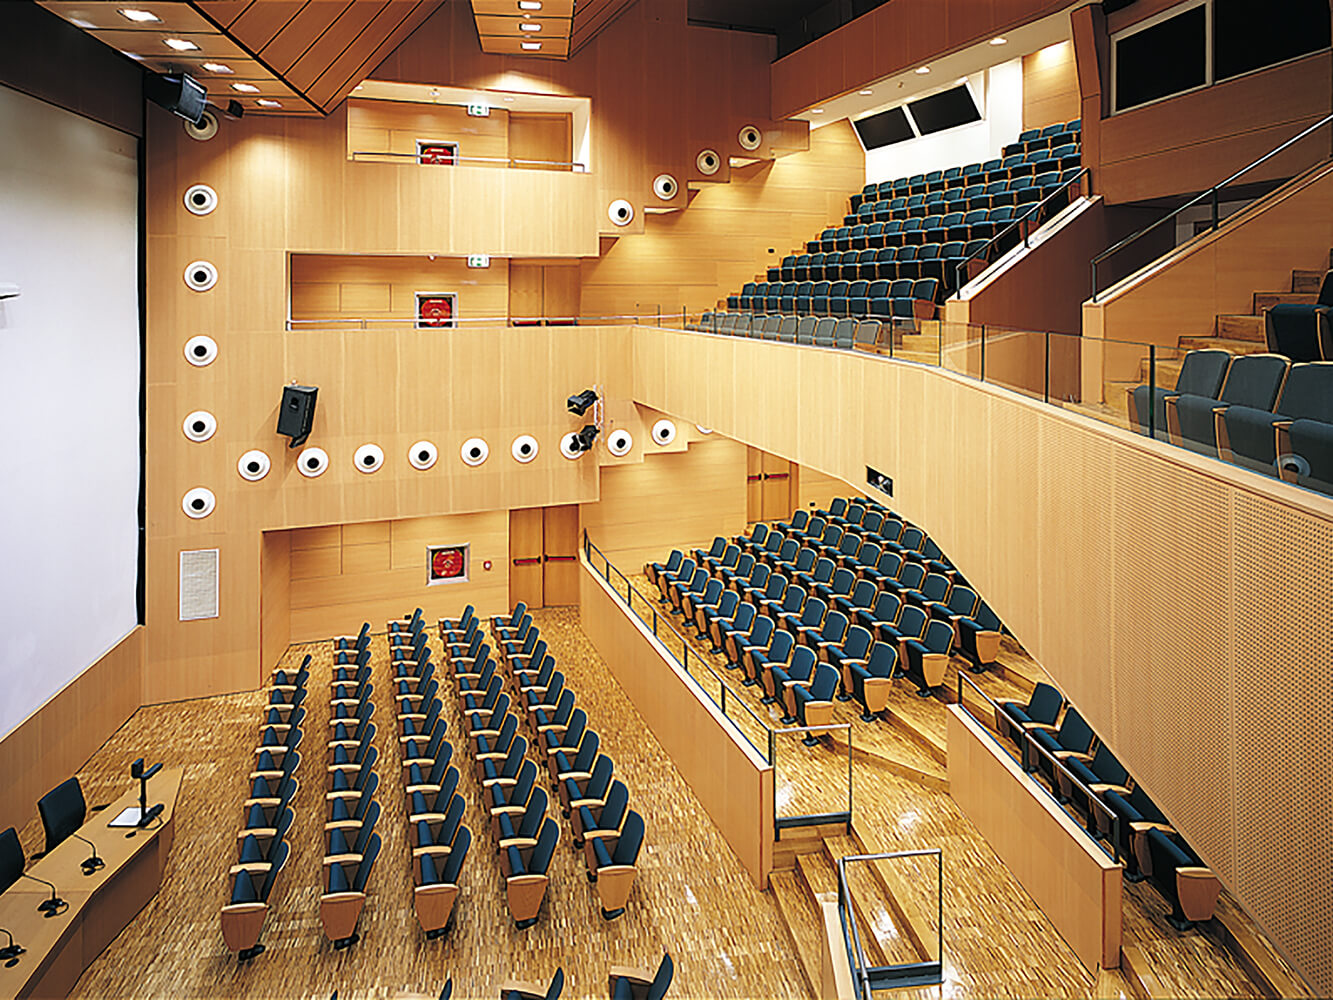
(530, 26)
(865, 93)
(218, 68)
(181, 44)
(245, 88)
(264, 102)
(922, 70)
(529, 4)
(139, 16)
(816, 111)
(531, 46)
(998, 41)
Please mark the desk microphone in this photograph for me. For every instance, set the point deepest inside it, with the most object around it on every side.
(11, 952)
(93, 863)
(50, 906)
(137, 770)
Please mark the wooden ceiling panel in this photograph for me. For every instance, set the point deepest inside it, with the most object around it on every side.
(491, 24)
(172, 17)
(592, 16)
(346, 32)
(391, 27)
(257, 24)
(222, 12)
(298, 34)
(156, 53)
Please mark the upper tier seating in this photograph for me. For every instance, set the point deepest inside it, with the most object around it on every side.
(1201, 375)
(1252, 380)
(1303, 332)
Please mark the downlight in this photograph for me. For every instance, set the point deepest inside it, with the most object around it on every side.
(665, 186)
(664, 431)
(422, 455)
(312, 462)
(708, 161)
(200, 425)
(620, 442)
(253, 465)
(474, 452)
(524, 448)
(204, 129)
(201, 351)
(620, 212)
(200, 199)
(198, 502)
(200, 276)
(749, 137)
(368, 458)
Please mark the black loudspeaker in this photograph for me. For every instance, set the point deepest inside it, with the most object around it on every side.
(180, 94)
(296, 415)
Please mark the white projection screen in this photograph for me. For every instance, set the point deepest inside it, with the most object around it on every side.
(69, 397)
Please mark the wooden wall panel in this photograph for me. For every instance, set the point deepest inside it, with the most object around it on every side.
(1050, 86)
(380, 573)
(383, 287)
(543, 137)
(685, 498)
(1053, 517)
(730, 779)
(395, 127)
(275, 607)
(56, 740)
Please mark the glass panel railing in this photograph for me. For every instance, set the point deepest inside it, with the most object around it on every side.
(439, 155)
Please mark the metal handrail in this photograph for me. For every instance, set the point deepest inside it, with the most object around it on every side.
(810, 819)
(1211, 194)
(1095, 804)
(574, 165)
(860, 968)
(1036, 210)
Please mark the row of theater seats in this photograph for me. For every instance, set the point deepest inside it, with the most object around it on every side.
(438, 842)
(262, 843)
(1259, 411)
(351, 845)
(927, 212)
(1301, 331)
(1148, 845)
(904, 300)
(844, 334)
(625, 984)
(1020, 159)
(781, 604)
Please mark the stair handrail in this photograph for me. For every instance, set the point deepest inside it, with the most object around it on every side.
(985, 251)
(1210, 194)
(861, 972)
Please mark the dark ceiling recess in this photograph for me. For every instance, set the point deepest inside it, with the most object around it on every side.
(766, 16)
(1111, 6)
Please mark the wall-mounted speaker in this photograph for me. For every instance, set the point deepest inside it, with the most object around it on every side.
(620, 212)
(205, 128)
(749, 137)
(179, 93)
(200, 425)
(708, 161)
(200, 199)
(665, 186)
(200, 275)
(664, 431)
(253, 465)
(296, 413)
(201, 351)
(620, 442)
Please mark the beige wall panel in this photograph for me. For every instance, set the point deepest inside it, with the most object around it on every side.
(817, 490)
(359, 559)
(729, 778)
(1050, 86)
(366, 533)
(538, 136)
(395, 126)
(56, 739)
(328, 536)
(387, 285)
(311, 563)
(1125, 566)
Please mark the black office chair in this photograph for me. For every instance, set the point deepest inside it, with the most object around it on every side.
(63, 811)
(11, 858)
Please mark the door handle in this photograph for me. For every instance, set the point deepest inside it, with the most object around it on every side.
(527, 562)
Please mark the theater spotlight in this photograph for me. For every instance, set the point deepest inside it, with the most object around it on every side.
(586, 437)
(580, 404)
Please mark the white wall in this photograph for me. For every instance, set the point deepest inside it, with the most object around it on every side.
(999, 93)
(69, 397)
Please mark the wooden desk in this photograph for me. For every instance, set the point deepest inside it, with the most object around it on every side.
(100, 906)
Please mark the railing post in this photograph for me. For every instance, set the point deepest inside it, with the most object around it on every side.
(983, 352)
(1152, 390)
(1214, 209)
(1046, 388)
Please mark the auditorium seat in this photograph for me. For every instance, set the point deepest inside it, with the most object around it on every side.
(798, 669)
(1201, 374)
(1182, 879)
(871, 678)
(757, 661)
(1136, 812)
(612, 860)
(1255, 438)
(345, 895)
(640, 984)
(515, 990)
(1012, 717)
(1103, 773)
(811, 704)
(587, 788)
(1303, 332)
(435, 889)
(979, 637)
(1074, 736)
(247, 906)
(604, 813)
(525, 870)
(928, 657)
(724, 631)
(1252, 380)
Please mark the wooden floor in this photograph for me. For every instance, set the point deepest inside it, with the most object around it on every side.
(692, 896)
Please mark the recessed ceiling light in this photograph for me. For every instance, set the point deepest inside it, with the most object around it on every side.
(139, 16)
(816, 111)
(264, 102)
(530, 26)
(218, 68)
(245, 88)
(998, 41)
(529, 4)
(865, 93)
(181, 44)
(510, 100)
(922, 70)
(531, 46)
(78, 22)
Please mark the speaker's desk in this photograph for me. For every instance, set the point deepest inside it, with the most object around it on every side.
(101, 905)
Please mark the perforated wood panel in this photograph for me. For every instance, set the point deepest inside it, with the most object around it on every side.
(199, 585)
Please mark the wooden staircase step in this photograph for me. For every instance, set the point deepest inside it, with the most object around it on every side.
(1263, 301)
(816, 873)
(805, 927)
(885, 935)
(1306, 281)
(1239, 327)
(1223, 344)
(1168, 369)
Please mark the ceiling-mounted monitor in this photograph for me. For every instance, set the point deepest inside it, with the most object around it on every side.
(884, 128)
(947, 109)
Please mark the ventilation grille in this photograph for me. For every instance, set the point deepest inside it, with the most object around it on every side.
(199, 584)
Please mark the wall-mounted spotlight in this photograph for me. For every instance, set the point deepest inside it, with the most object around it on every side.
(580, 404)
(582, 441)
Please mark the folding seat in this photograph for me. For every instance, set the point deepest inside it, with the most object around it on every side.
(909, 622)
(934, 178)
(600, 812)
(884, 265)
(550, 706)
(938, 226)
(290, 680)
(1252, 380)
(916, 206)
(1046, 181)
(837, 298)
(756, 662)
(501, 625)
(812, 704)
(349, 762)
(839, 240)
(678, 589)
(787, 328)
(817, 245)
(868, 193)
(974, 197)
(525, 867)
(831, 634)
(927, 658)
(1013, 718)
(714, 551)
(1181, 877)
(431, 804)
(934, 589)
(816, 266)
(857, 236)
(653, 569)
(914, 232)
(345, 895)
(1068, 156)
(844, 334)
(910, 577)
(904, 262)
(611, 860)
(747, 572)
(574, 761)
(786, 303)
(806, 623)
(773, 298)
(435, 883)
(975, 225)
(683, 571)
(821, 572)
(864, 269)
(747, 632)
(969, 171)
(1015, 165)
(804, 292)
(1303, 332)
(874, 236)
(788, 269)
(1137, 813)
(357, 641)
(758, 534)
(1101, 775)
(993, 170)
(961, 603)
(819, 296)
(954, 200)
(538, 680)
(824, 332)
(724, 610)
(797, 670)
(1074, 736)
(893, 230)
(691, 604)
(724, 629)
(1256, 438)
(514, 989)
(477, 700)
(952, 177)
(927, 262)
(247, 905)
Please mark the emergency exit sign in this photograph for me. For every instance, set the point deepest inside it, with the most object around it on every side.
(478, 260)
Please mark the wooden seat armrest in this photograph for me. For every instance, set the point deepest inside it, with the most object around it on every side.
(338, 897)
(341, 859)
(488, 782)
(611, 836)
(258, 832)
(489, 733)
(1100, 787)
(1049, 727)
(553, 727)
(1084, 757)
(416, 818)
(422, 788)
(1195, 872)
(265, 774)
(825, 645)
(245, 907)
(1009, 701)
(518, 986)
(508, 810)
(640, 977)
(261, 802)
(580, 803)
(278, 750)
(860, 661)
(1144, 827)
(522, 843)
(342, 824)
(497, 755)
(541, 706)
(253, 867)
(612, 869)
(349, 793)
(1063, 754)
(414, 716)
(435, 850)
(575, 776)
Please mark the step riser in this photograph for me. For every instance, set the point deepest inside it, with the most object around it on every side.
(1240, 327)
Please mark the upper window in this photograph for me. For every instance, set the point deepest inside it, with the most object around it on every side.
(1200, 42)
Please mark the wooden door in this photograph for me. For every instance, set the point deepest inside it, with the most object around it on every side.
(560, 554)
(525, 557)
(778, 476)
(754, 485)
(526, 292)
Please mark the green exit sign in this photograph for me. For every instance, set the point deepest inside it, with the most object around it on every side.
(478, 260)
(479, 110)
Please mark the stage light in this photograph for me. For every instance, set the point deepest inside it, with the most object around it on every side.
(586, 437)
(584, 401)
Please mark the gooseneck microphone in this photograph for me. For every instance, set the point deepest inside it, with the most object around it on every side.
(137, 770)
(10, 953)
(93, 863)
(50, 906)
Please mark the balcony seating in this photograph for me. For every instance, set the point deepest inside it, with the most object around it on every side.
(1201, 374)
(1013, 717)
(1252, 380)
(1182, 879)
(928, 656)
(1255, 438)
(1074, 736)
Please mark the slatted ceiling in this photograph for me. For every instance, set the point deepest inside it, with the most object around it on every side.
(591, 16)
(352, 66)
(333, 42)
(297, 35)
(259, 23)
(550, 8)
(222, 12)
